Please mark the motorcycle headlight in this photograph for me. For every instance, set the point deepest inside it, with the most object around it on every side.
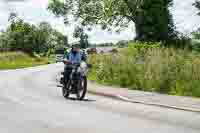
(83, 68)
(79, 70)
(83, 65)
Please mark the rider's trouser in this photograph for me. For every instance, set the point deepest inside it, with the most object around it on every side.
(67, 72)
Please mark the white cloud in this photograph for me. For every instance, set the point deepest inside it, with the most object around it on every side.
(185, 15)
(97, 35)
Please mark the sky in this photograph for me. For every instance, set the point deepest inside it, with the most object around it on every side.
(34, 11)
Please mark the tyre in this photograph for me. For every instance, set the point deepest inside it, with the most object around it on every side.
(82, 89)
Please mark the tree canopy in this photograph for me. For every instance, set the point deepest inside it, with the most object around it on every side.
(197, 5)
(30, 38)
(153, 21)
(79, 33)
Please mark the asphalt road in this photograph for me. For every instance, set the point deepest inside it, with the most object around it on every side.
(30, 102)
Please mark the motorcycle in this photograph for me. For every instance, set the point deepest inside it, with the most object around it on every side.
(74, 79)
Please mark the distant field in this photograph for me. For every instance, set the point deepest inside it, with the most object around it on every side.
(13, 60)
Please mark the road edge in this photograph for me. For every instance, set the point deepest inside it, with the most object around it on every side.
(125, 99)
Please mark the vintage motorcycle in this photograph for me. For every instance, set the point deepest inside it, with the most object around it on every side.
(74, 79)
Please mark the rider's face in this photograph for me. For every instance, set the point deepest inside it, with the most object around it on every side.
(75, 49)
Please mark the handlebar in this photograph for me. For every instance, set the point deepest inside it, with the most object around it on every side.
(66, 62)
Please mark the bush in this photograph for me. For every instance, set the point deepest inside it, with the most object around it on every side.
(150, 68)
(182, 41)
(195, 45)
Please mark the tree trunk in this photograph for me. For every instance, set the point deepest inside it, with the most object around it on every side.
(140, 34)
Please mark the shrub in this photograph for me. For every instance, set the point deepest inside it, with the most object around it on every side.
(150, 68)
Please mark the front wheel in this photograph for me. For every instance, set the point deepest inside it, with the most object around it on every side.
(82, 88)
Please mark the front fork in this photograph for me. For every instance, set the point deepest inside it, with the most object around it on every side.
(75, 79)
(72, 83)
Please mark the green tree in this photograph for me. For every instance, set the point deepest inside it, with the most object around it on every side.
(23, 36)
(42, 35)
(79, 33)
(196, 34)
(12, 18)
(17, 33)
(152, 18)
(65, 40)
(122, 43)
(197, 5)
(59, 40)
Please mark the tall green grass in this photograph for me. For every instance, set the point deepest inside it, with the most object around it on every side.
(13, 60)
(150, 68)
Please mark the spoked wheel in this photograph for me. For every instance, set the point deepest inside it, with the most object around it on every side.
(82, 88)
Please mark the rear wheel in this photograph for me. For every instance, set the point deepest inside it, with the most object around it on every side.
(82, 88)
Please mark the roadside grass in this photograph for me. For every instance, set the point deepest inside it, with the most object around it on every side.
(14, 60)
(149, 68)
(51, 59)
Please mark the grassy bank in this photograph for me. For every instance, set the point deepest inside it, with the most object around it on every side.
(150, 68)
(13, 60)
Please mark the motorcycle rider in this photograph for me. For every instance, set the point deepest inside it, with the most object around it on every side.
(75, 56)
